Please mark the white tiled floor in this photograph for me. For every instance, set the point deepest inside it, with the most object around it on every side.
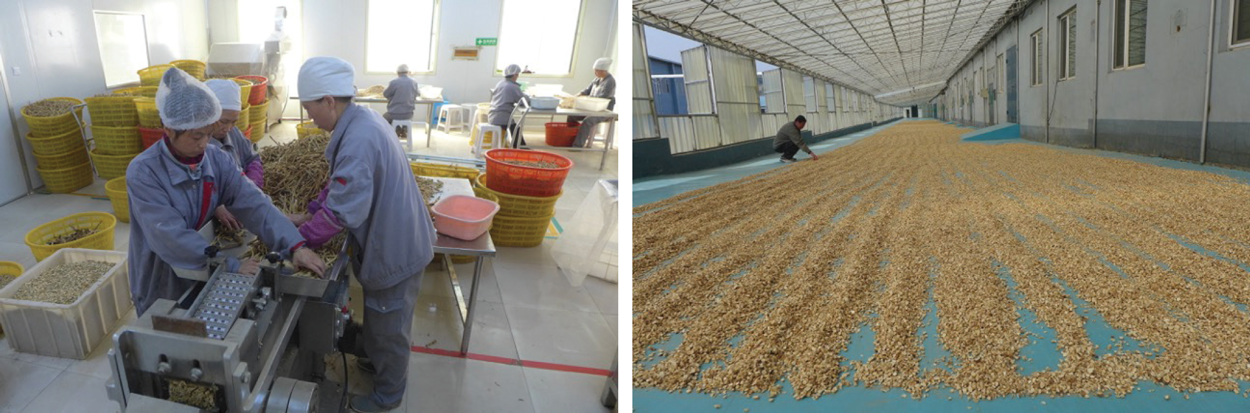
(525, 310)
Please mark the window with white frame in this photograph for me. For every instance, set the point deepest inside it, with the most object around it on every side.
(773, 92)
(1130, 33)
(539, 35)
(1038, 58)
(809, 94)
(123, 44)
(401, 32)
(1067, 45)
(1241, 22)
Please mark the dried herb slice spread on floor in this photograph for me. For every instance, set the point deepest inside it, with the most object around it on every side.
(748, 284)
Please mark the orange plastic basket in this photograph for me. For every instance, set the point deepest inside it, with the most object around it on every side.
(562, 133)
(150, 136)
(260, 86)
(526, 180)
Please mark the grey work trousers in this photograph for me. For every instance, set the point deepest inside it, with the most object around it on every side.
(387, 334)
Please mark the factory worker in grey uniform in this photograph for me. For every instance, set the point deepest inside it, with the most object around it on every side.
(401, 99)
(175, 185)
(373, 195)
(502, 100)
(604, 86)
(230, 140)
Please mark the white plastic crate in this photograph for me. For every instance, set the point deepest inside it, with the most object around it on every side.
(591, 104)
(67, 330)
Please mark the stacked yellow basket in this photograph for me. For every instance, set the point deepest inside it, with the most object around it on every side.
(115, 131)
(56, 140)
(522, 220)
(258, 118)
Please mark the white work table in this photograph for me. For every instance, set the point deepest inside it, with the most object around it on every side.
(523, 110)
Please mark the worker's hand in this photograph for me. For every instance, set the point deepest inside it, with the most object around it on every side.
(227, 219)
(307, 259)
(814, 157)
(249, 266)
(298, 219)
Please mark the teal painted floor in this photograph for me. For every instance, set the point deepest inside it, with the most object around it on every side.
(1040, 353)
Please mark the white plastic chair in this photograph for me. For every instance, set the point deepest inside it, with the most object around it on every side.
(451, 117)
(407, 125)
(496, 138)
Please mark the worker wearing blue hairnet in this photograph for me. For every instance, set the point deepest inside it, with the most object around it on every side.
(503, 98)
(372, 195)
(175, 185)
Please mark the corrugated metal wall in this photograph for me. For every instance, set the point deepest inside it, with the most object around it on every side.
(737, 96)
(644, 115)
(793, 84)
(698, 86)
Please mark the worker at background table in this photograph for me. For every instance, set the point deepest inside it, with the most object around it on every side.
(373, 195)
(503, 98)
(229, 139)
(176, 183)
(401, 99)
(790, 139)
(604, 86)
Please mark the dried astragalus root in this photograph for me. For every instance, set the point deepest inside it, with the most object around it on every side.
(62, 284)
(911, 230)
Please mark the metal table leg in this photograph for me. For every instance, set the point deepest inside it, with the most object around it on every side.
(455, 286)
(468, 323)
(607, 145)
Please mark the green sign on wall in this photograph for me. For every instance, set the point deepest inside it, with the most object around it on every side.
(487, 41)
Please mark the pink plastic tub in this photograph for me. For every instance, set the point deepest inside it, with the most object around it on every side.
(464, 217)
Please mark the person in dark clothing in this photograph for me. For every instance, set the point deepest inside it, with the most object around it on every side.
(789, 140)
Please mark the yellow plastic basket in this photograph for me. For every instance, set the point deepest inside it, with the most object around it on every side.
(258, 110)
(195, 68)
(102, 223)
(47, 126)
(149, 116)
(116, 190)
(137, 91)
(112, 110)
(244, 118)
(11, 268)
(111, 166)
(245, 89)
(151, 75)
(525, 232)
(443, 171)
(258, 130)
(116, 140)
(72, 158)
(307, 129)
(518, 205)
(62, 143)
(66, 180)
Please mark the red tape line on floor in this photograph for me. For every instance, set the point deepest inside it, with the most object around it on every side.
(513, 362)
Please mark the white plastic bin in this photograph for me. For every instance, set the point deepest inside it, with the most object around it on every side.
(544, 102)
(72, 330)
(591, 104)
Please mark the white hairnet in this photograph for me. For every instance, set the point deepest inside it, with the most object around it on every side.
(402, 69)
(511, 70)
(185, 103)
(603, 63)
(227, 92)
(326, 76)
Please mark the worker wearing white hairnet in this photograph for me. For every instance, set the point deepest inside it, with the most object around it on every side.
(401, 98)
(503, 98)
(604, 86)
(373, 195)
(229, 139)
(177, 183)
